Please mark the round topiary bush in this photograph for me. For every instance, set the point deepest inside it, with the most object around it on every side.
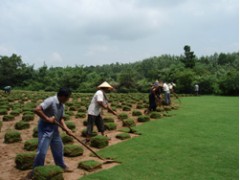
(99, 141)
(31, 145)
(3, 111)
(70, 125)
(50, 172)
(108, 119)
(84, 133)
(136, 113)
(35, 132)
(89, 165)
(110, 126)
(143, 118)
(22, 125)
(123, 116)
(24, 161)
(123, 136)
(155, 115)
(128, 122)
(12, 137)
(66, 139)
(72, 150)
(126, 108)
(28, 117)
(80, 115)
(8, 117)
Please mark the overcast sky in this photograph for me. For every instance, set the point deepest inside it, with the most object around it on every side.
(95, 32)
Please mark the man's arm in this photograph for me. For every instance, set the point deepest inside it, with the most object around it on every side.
(39, 111)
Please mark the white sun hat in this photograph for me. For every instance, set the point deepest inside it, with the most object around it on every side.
(105, 85)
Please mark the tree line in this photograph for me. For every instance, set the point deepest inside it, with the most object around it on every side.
(216, 74)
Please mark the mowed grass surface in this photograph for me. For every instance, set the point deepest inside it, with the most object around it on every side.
(200, 142)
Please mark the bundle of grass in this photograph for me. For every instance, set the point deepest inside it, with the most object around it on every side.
(72, 150)
(3, 111)
(110, 126)
(35, 132)
(123, 136)
(99, 141)
(25, 161)
(66, 139)
(12, 136)
(8, 118)
(136, 113)
(128, 122)
(50, 172)
(70, 125)
(84, 133)
(108, 119)
(80, 115)
(28, 117)
(155, 115)
(89, 165)
(15, 112)
(31, 145)
(143, 118)
(22, 125)
(123, 116)
(126, 108)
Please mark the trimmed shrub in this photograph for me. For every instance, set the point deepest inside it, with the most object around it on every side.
(22, 125)
(110, 126)
(12, 137)
(99, 141)
(31, 145)
(25, 161)
(143, 118)
(35, 132)
(49, 172)
(128, 122)
(89, 165)
(126, 108)
(108, 119)
(72, 150)
(84, 133)
(66, 139)
(155, 115)
(28, 117)
(123, 116)
(8, 117)
(136, 113)
(70, 125)
(123, 136)
(80, 115)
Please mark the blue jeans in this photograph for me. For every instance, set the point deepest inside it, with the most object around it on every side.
(52, 139)
(167, 98)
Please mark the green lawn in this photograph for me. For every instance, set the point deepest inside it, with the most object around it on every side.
(200, 142)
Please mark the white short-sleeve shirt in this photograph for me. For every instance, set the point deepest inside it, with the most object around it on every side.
(94, 108)
(165, 88)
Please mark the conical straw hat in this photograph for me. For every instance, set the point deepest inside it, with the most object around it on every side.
(105, 85)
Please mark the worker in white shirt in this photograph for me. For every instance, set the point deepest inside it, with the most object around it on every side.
(166, 93)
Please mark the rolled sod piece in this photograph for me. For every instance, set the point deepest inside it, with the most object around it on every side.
(99, 141)
(136, 113)
(66, 139)
(123, 116)
(22, 125)
(143, 118)
(123, 136)
(12, 137)
(49, 172)
(89, 165)
(84, 133)
(70, 125)
(110, 126)
(31, 145)
(28, 117)
(24, 161)
(155, 115)
(35, 132)
(128, 122)
(8, 117)
(108, 119)
(72, 150)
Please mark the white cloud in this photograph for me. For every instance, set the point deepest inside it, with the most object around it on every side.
(55, 57)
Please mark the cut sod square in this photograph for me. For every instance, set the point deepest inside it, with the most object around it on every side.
(3, 111)
(123, 136)
(128, 122)
(126, 108)
(72, 150)
(89, 165)
(108, 119)
(123, 116)
(31, 144)
(12, 136)
(99, 141)
(8, 117)
(28, 117)
(15, 112)
(49, 172)
(70, 125)
(84, 133)
(22, 125)
(85, 123)
(35, 132)
(155, 115)
(143, 118)
(66, 139)
(167, 108)
(110, 126)
(80, 115)
(136, 113)
(24, 161)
